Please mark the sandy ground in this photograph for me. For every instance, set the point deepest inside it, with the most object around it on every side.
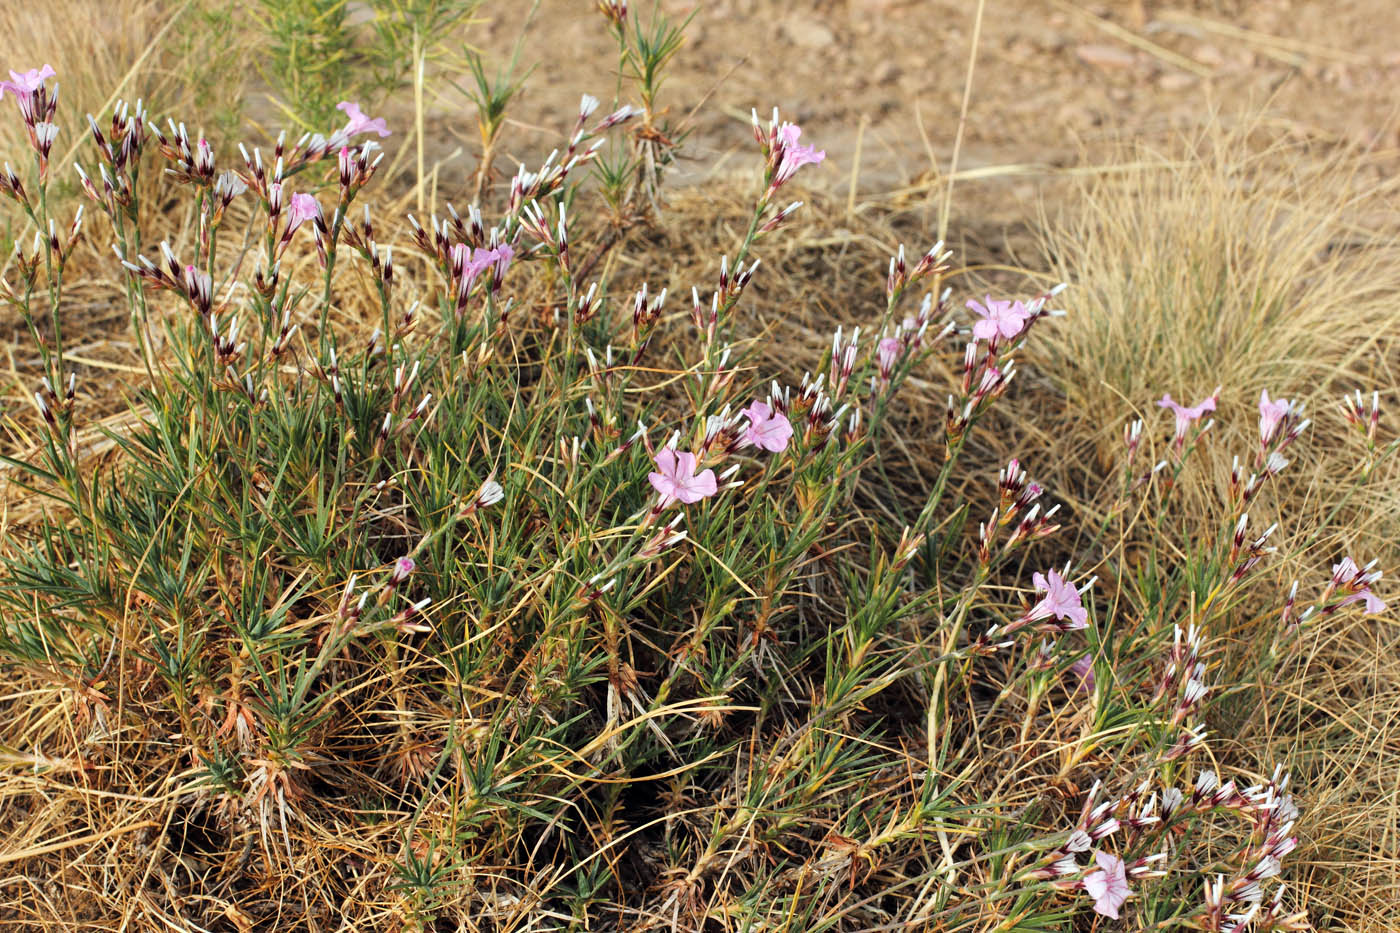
(1055, 83)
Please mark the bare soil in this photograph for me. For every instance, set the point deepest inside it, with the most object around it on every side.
(879, 83)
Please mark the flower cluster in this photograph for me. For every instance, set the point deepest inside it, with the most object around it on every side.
(988, 370)
(783, 152)
(37, 107)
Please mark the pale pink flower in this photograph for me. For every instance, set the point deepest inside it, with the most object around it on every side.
(22, 84)
(1083, 671)
(1004, 319)
(794, 154)
(1346, 573)
(1271, 414)
(402, 568)
(359, 123)
(303, 208)
(676, 477)
(1184, 415)
(1061, 600)
(464, 264)
(497, 259)
(1374, 604)
(1109, 885)
(766, 429)
(472, 262)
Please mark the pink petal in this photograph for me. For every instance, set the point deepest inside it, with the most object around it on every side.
(758, 411)
(664, 485)
(666, 462)
(699, 487)
(685, 465)
(984, 329)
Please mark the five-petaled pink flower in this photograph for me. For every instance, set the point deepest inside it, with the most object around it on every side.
(1004, 319)
(766, 429)
(1061, 600)
(794, 154)
(22, 84)
(1184, 415)
(359, 123)
(1109, 885)
(1271, 414)
(303, 208)
(676, 478)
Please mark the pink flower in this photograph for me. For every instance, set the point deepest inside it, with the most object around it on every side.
(359, 123)
(766, 429)
(1271, 414)
(1184, 416)
(464, 264)
(1061, 600)
(402, 568)
(497, 259)
(1358, 581)
(303, 208)
(1083, 669)
(676, 478)
(1374, 604)
(794, 155)
(1003, 319)
(26, 83)
(1109, 885)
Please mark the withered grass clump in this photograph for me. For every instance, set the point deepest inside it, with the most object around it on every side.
(471, 571)
(1243, 259)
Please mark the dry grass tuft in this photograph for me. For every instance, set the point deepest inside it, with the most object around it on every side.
(1252, 265)
(1258, 266)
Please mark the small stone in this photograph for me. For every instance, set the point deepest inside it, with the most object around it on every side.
(1210, 56)
(1105, 56)
(807, 32)
(1176, 81)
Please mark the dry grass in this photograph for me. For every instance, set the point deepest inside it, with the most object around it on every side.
(1256, 264)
